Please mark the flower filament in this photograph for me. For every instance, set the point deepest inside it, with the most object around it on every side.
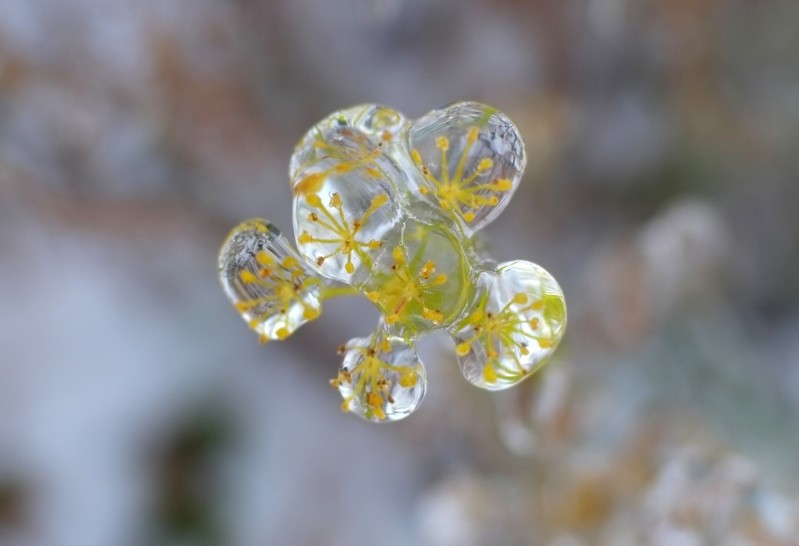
(461, 193)
(405, 288)
(343, 233)
(498, 333)
(284, 283)
(372, 379)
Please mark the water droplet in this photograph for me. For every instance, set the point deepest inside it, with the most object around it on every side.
(266, 280)
(381, 378)
(470, 159)
(519, 320)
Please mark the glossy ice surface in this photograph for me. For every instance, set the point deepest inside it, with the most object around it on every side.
(386, 207)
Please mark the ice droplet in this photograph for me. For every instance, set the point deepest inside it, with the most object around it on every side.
(517, 323)
(470, 158)
(266, 280)
(381, 377)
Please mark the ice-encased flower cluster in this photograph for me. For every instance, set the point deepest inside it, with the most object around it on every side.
(386, 207)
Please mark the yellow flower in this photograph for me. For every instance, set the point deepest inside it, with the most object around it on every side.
(462, 193)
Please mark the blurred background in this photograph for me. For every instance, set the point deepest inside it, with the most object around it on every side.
(662, 188)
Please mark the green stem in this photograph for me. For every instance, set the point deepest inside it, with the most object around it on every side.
(335, 291)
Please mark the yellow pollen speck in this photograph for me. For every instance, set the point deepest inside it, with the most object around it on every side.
(289, 262)
(242, 305)
(385, 346)
(247, 277)
(380, 200)
(310, 313)
(416, 157)
(538, 305)
(314, 200)
(282, 333)
(440, 279)
(264, 258)
(373, 296)
(493, 200)
(545, 343)
(375, 244)
(345, 406)
(349, 268)
(305, 237)
(463, 348)
(442, 143)
(485, 164)
(503, 184)
(310, 184)
(468, 216)
(254, 323)
(408, 379)
(399, 255)
(392, 318)
(335, 200)
(489, 374)
(534, 323)
(423, 190)
(520, 298)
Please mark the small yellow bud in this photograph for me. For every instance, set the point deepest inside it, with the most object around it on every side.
(314, 200)
(463, 348)
(282, 333)
(310, 185)
(349, 268)
(379, 201)
(264, 258)
(310, 313)
(503, 184)
(408, 379)
(520, 298)
(247, 277)
(485, 164)
(489, 374)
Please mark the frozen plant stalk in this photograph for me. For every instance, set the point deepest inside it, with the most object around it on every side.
(386, 207)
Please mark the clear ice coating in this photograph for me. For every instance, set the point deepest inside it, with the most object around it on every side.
(386, 207)
(471, 158)
(513, 329)
(381, 377)
(266, 280)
